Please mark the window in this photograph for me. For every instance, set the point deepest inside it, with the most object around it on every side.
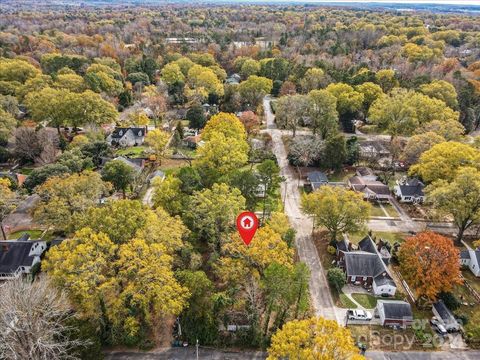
(139, 133)
(353, 278)
(364, 278)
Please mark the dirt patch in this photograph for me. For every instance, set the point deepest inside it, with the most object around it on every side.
(321, 240)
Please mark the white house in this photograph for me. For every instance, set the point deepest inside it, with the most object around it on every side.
(127, 136)
(17, 257)
(471, 258)
(409, 191)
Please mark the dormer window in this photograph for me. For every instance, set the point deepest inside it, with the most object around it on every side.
(140, 133)
(121, 133)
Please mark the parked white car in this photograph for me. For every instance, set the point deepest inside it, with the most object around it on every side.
(359, 315)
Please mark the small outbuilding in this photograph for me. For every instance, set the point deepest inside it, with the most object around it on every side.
(394, 313)
(445, 316)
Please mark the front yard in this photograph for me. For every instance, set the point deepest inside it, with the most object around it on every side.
(366, 300)
(132, 151)
(390, 237)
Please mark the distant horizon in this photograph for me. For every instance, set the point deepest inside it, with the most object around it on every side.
(413, 2)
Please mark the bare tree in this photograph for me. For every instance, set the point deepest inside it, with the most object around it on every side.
(26, 144)
(33, 322)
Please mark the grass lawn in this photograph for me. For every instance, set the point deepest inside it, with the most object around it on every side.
(377, 211)
(342, 300)
(133, 151)
(366, 300)
(341, 176)
(25, 170)
(472, 280)
(390, 210)
(391, 237)
(34, 234)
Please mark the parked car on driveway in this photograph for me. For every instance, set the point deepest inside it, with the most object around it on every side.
(438, 327)
(359, 315)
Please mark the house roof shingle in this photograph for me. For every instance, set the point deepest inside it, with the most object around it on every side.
(119, 132)
(14, 254)
(412, 187)
(444, 313)
(317, 177)
(361, 263)
(396, 310)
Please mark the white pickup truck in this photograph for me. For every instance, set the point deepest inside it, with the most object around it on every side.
(359, 315)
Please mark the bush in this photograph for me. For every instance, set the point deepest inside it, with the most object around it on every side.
(450, 300)
(336, 278)
(331, 250)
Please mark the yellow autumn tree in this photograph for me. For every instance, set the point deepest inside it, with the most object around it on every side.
(314, 338)
(157, 140)
(443, 160)
(238, 259)
(148, 290)
(83, 266)
(225, 123)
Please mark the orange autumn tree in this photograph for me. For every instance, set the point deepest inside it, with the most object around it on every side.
(429, 263)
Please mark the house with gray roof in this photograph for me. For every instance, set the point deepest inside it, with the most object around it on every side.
(127, 136)
(17, 257)
(394, 313)
(316, 179)
(367, 268)
(409, 191)
(371, 188)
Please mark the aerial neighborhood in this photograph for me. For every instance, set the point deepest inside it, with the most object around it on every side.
(134, 138)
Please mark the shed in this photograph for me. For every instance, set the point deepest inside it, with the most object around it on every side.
(445, 316)
(394, 313)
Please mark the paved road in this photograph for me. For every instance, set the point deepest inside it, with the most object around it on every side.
(205, 354)
(319, 291)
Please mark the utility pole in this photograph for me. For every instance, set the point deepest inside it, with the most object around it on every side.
(197, 348)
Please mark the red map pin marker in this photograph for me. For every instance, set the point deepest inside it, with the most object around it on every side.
(247, 224)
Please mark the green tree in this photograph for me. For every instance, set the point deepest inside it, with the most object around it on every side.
(62, 198)
(171, 74)
(442, 90)
(335, 152)
(17, 70)
(269, 179)
(247, 182)
(198, 321)
(336, 278)
(120, 220)
(119, 174)
(337, 209)
(212, 213)
(458, 197)
(7, 125)
(443, 161)
(312, 79)
(323, 112)
(168, 195)
(386, 79)
(220, 156)
(196, 117)
(249, 67)
(348, 100)
(254, 89)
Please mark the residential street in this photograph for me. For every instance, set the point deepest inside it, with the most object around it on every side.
(320, 293)
(207, 354)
